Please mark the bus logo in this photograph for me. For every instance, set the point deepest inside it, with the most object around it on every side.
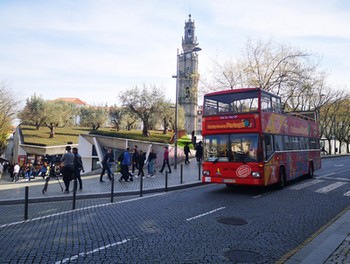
(243, 171)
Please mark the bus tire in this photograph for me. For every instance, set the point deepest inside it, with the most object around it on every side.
(282, 178)
(310, 174)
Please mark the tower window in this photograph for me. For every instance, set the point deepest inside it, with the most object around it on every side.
(187, 92)
(189, 32)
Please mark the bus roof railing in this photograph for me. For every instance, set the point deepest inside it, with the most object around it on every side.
(306, 115)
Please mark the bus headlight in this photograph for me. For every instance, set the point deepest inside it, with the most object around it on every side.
(205, 173)
(256, 174)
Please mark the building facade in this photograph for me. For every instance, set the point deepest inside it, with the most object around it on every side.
(187, 76)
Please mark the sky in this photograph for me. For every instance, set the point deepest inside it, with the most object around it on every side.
(96, 49)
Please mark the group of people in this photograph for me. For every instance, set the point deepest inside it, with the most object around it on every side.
(71, 166)
(27, 171)
(198, 155)
(135, 159)
(138, 161)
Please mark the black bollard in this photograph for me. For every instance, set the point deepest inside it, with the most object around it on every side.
(199, 171)
(141, 185)
(75, 186)
(112, 189)
(166, 181)
(181, 173)
(26, 201)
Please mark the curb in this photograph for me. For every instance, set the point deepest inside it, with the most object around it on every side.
(99, 195)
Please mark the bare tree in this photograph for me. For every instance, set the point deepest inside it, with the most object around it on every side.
(283, 70)
(8, 109)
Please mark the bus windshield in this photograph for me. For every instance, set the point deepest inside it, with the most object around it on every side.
(231, 148)
(245, 102)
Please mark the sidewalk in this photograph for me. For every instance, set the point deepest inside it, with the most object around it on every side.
(14, 193)
(332, 245)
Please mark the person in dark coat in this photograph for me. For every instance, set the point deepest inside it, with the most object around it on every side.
(141, 162)
(78, 166)
(199, 151)
(187, 151)
(106, 165)
(67, 163)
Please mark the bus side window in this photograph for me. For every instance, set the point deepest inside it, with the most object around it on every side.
(278, 142)
(269, 148)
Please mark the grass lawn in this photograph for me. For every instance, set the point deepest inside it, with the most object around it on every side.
(41, 137)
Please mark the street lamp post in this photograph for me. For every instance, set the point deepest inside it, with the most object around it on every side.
(195, 49)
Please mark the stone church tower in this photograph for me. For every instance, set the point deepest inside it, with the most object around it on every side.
(187, 76)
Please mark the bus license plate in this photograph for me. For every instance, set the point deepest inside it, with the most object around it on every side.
(229, 181)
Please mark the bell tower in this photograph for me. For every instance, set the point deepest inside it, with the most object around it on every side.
(187, 76)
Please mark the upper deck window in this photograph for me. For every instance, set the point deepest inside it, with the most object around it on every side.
(270, 103)
(231, 103)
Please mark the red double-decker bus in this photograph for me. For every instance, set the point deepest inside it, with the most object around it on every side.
(247, 139)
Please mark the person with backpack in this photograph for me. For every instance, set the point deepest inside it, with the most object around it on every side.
(151, 162)
(78, 166)
(125, 163)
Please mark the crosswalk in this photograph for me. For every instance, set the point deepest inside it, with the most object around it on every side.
(323, 186)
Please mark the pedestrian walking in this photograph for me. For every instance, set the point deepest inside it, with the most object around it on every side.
(126, 162)
(135, 159)
(141, 162)
(199, 151)
(107, 161)
(187, 151)
(78, 166)
(67, 167)
(165, 160)
(151, 161)
(16, 169)
(10, 169)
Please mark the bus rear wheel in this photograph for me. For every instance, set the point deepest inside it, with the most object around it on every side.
(282, 178)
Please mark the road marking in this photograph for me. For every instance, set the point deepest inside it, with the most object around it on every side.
(210, 212)
(326, 175)
(330, 187)
(306, 184)
(347, 193)
(83, 254)
(336, 179)
(338, 165)
(80, 209)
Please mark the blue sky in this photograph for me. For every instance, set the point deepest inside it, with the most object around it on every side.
(94, 49)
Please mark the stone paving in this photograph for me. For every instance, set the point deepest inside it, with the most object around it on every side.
(331, 246)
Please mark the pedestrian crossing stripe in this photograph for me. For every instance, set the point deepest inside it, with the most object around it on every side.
(330, 187)
(306, 184)
(325, 189)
